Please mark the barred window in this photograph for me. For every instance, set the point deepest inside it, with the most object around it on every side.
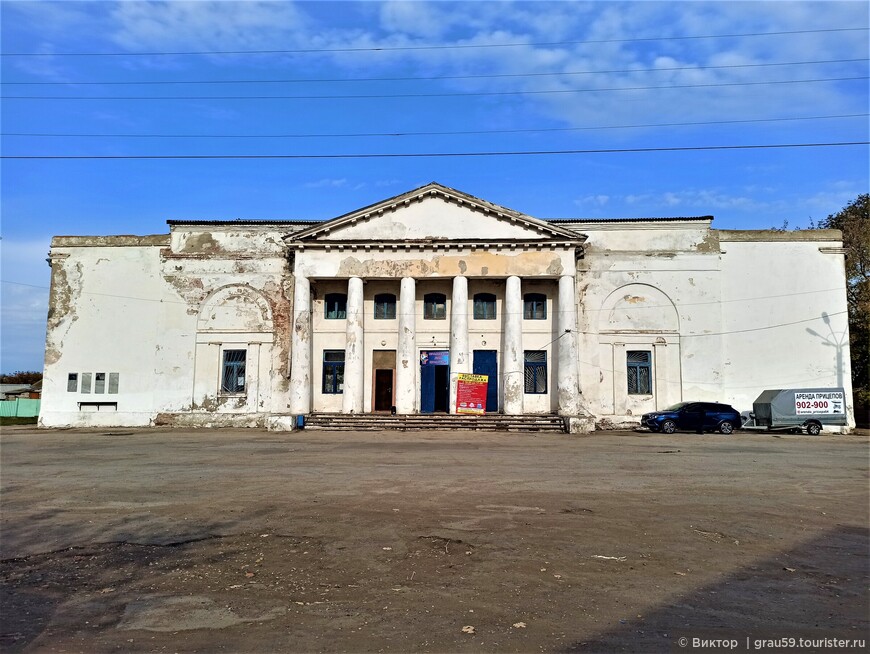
(233, 373)
(385, 306)
(333, 372)
(535, 372)
(639, 373)
(335, 306)
(434, 306)
(535, 306)
(484, 306)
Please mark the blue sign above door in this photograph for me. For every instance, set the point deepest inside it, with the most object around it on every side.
(435, 358)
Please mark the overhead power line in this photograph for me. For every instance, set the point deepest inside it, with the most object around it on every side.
(431, 133)
(299, 80)
(436, 154)
(427, 95)
(463, 46)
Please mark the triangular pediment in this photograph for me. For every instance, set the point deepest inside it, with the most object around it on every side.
(434, 213)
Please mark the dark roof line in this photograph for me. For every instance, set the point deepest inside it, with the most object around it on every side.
(314, 221)
(243, 221)
(626, 220)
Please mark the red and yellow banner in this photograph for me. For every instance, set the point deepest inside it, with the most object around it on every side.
(471, 393)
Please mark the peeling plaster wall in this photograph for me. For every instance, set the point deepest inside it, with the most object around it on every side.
(133, 306)
(385, 263)
(784, 315)
(656, 289)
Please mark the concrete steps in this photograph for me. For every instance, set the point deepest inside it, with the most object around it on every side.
(444, 422)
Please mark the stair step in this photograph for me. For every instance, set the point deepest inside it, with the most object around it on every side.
(419, 422)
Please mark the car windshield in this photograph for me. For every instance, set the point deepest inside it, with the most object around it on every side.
(678, 405)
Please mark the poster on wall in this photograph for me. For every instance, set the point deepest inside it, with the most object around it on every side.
(471, 393)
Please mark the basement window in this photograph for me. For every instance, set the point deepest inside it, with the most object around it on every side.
(72, 382)
(233, 373)
(639, 373)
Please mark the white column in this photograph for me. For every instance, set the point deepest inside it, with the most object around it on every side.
(460, 358)
(354, 350)
(513, 358)
(569, 372)
(300, 352)
(407, 363)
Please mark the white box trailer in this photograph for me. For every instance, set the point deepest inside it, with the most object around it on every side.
(796, 409)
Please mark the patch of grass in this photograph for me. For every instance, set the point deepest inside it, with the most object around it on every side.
(8, 420)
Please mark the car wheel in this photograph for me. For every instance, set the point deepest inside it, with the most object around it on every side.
(669, 427)
(814, 428)
(726, 427)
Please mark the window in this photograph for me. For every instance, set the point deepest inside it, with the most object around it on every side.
(86, 382)
(385, 306)
(100, 382)
(435, 306)
(113, 383)
(72, 382)
(535, 306)
(639, 373)
(484, 306)
(336, 306)
(233, 376)
(536, 372)
(333, 371)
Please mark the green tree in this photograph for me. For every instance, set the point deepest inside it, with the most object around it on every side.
(854, 221)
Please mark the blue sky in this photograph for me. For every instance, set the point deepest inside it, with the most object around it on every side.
(554, 93)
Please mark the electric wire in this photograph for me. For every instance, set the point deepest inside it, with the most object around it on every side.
(298, 80)
(115, 157)
(463, 46)
(382, 96)
(432, 133)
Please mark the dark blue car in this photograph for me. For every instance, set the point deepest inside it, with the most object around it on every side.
(693, 416)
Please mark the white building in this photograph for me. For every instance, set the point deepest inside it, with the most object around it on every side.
(256, 322)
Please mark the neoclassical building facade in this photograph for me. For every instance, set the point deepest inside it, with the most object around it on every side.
(380, 310)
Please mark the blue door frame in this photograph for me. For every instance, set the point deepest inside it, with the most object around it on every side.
(486, 363)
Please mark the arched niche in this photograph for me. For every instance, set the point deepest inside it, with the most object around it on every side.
(235, 308)
(635, 308)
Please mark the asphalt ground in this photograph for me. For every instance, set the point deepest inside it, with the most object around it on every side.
(168, 540)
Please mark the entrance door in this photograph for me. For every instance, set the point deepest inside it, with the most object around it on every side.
(486, 363)
(383, 390)
(434, 381)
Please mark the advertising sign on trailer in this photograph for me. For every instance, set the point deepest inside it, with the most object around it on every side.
(807, 403)
(471, 393)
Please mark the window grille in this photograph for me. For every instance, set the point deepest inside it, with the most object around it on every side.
(639, 373)
(484, 306)
(333, 372)
(335, 306)
(535, 306)
(435, 306)
(233, 377)
(385, 306)
(535, 372)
